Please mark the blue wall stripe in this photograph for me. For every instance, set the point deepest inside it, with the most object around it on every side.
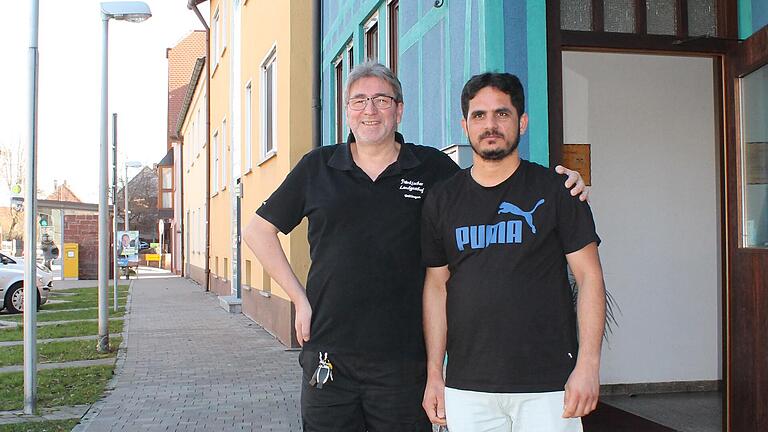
(482, 28)
(467, 40)
(421, 93)
(538, 107)
(493, 35)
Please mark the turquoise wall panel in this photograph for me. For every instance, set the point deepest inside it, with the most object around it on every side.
(759, 14)
(440, 48)
(753, 15)
(409, 78)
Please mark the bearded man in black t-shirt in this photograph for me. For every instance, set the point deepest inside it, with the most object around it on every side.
(497, 239)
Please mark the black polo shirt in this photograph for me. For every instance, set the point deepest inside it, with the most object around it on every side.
(366, 277)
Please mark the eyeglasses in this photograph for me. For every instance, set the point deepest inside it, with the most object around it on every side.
(381, 102)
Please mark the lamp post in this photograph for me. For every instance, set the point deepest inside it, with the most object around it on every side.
(132, 11)
(30, 232)
(129, 164)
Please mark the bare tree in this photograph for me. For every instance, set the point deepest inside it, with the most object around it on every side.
(12, 170)
(142, 205)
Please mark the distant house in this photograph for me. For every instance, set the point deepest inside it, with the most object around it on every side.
(142, 204)
(62, 192)
(182, 60)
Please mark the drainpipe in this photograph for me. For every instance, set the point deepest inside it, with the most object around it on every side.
(192, 5)
(181, 206)
(317, 110)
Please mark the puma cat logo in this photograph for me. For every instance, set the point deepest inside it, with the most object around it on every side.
(506, 207)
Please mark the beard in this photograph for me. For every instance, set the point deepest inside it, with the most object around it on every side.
(495, 153)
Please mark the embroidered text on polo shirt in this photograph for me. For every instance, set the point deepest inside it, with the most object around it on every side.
(414, 188)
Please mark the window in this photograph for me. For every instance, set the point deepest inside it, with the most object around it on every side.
(215, 167)
(166, 187)
(753, 89)
(268, 105)
(224, 155)
(394, 11)
(372, 39)
(350, 57)
(248, 126)
(688, 18)
(215, 37)
(339, 75)
(222, 32)
(248, 273)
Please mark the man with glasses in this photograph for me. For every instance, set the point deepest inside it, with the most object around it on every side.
(359, 319)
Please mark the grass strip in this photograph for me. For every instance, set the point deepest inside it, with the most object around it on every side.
(79, 304)
(61, 330)
(56, 387)
(55, 352)
(66, 315)
(43, 426)
(90, 291)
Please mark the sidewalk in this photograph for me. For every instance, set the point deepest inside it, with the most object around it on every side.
(191, 366)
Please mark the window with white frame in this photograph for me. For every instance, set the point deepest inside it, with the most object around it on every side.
(268, 104)
(222, 32)
(224, 155)
(215, 36)
(338, 72)
(166, 187)
(248, 125)
(215, 167)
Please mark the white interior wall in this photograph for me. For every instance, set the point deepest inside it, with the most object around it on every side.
(650, 121)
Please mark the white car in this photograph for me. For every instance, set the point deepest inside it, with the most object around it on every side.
(12, 284)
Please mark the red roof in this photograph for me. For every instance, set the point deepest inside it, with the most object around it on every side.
(63, 193)
(181, 62)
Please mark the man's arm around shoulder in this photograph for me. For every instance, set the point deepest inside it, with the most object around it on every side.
(435, 331)
(261, 237)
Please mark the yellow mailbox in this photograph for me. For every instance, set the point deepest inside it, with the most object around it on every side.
(71, 261)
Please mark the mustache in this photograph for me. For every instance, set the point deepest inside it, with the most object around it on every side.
(493, 133)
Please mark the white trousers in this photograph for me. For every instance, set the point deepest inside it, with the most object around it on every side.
(471, 411)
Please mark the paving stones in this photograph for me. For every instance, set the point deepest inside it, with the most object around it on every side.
(189, 365)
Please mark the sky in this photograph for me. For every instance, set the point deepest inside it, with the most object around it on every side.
(69, 89)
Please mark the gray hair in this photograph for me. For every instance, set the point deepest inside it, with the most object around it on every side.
(372, 69)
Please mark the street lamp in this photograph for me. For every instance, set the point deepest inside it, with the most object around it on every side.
(129, 164)
(132, 11)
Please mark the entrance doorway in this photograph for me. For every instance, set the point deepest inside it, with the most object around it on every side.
(650, 122)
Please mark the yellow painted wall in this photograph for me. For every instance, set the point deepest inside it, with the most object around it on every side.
(194, 171)
(285, 26)
(220, 221)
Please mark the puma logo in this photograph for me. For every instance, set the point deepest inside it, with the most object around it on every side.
(506, 207)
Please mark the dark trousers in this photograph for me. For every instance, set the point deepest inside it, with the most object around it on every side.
(368, 393)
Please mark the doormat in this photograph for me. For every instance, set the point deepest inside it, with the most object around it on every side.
(607, 418)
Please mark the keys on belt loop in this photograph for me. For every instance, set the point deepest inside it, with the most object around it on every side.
(323, 373)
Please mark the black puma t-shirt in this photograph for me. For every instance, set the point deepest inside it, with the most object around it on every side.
(366, 277)
(511, 320)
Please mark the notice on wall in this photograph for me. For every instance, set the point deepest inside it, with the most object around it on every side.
(577, 157)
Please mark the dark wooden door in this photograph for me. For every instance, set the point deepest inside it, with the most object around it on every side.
(747, 204)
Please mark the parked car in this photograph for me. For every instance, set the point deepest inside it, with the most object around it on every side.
(12, 284)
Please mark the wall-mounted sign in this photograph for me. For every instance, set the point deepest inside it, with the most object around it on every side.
(578, 157)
